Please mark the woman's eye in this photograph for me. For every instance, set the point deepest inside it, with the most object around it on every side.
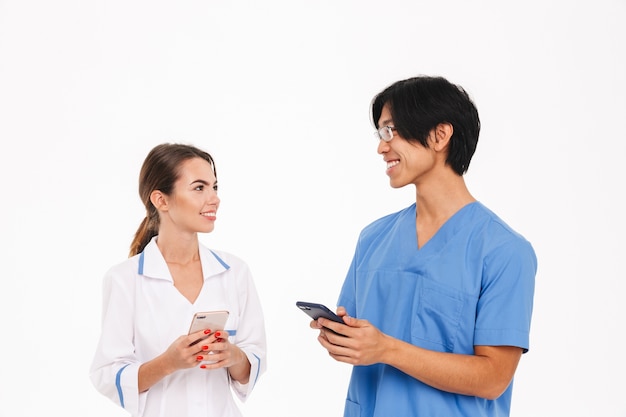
(199, 188)
(215, 187)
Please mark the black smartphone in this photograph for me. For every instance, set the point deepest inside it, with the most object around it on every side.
(316, 310)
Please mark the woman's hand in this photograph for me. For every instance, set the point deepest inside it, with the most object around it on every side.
(183, 353)
(217, 352)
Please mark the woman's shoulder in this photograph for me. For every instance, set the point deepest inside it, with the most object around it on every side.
(226, 255)
(226, 258)
(125, 268)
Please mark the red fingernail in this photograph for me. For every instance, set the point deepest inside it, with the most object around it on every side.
(217, 334)
(203, 366)
(205, 348)
(199, 358)
(220, 340)
(207, 331)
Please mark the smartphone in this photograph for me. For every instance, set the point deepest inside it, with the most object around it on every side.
(212, 320)
(315, 311)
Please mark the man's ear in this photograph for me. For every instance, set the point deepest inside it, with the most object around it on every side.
(158, 200)
(443, 133)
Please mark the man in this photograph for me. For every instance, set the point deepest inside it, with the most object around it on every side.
(437, 302)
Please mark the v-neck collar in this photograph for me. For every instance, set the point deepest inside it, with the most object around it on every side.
(443, 235)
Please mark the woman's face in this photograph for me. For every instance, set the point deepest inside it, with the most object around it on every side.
(193, 204)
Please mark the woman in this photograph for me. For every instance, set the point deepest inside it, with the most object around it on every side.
(145, 360)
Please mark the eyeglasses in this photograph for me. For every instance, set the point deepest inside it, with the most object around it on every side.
(385, 133)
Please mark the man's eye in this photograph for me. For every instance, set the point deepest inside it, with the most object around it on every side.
(215, 187)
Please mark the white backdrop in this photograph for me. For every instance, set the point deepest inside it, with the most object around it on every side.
(279, 93)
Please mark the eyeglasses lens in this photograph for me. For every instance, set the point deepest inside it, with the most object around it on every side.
(385, 133)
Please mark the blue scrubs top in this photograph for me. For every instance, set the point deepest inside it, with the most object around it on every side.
(470, 284)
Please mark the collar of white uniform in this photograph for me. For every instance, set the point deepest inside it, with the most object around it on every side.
(153, 265)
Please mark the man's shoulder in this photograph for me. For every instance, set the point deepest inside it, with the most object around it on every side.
(497, 234)
(387, 220)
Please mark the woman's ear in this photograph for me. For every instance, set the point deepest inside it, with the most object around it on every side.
(158, 200)
(443, 133)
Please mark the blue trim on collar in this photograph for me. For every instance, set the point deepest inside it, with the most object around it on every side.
(140, 268)
(141, 261)
(120, 393)
(224, 264)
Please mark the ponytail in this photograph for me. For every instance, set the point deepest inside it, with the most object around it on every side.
(148, 228)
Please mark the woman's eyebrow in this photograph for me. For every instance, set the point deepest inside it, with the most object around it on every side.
(203, 182)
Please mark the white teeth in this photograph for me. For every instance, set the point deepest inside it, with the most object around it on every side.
(392, 164)
(209, 214)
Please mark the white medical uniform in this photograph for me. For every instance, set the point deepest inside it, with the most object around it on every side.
(143, 313)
